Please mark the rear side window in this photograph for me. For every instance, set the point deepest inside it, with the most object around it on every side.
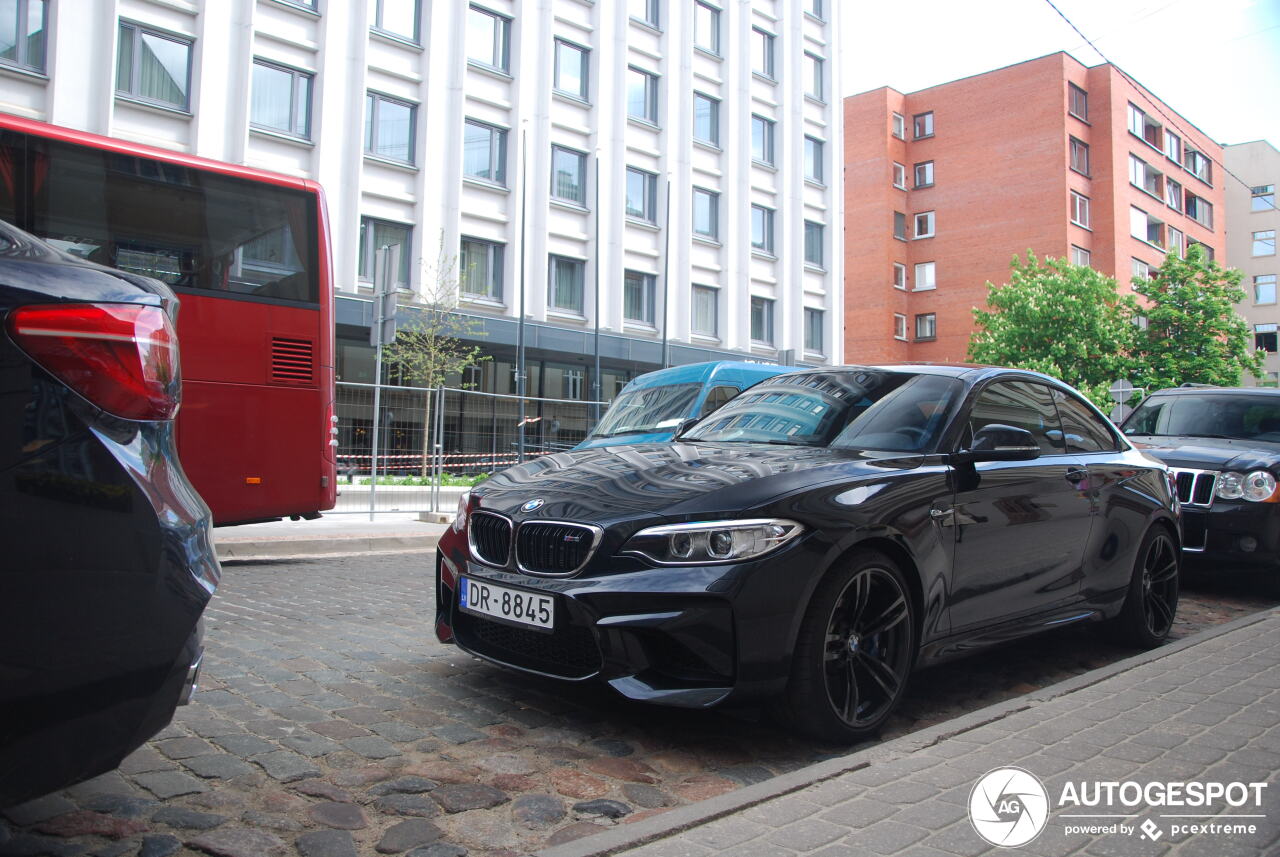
(1020, 404)
(1082, 429)
(717, 397)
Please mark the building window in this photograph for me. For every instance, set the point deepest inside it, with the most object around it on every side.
(565, 284)
(1077, 102)
(922, 123)
(926, 326)
(1173, 147)
(814, 8)
(762, 228)
(899, 126)
(706, 214)
(899, 176)
(484, 152)
(1264, 242)
(924, 174)
(815, 86)
(706, 119)
(1200, 210)
(1079, 209)
(926, 276)
(705, 311)
(22, 38)
(813, 330)
(1264, 337)
(706, 27)
(645, 11)
(1080, 256)
(642, 95)
(762, 52)
(281, 100)
(388, 128)
(395, 17)
(637, 296)
(568, 175)
(762, 320)
(899, 326)
(572, 74)
(1264, 289)
(1262, 198)
(1079, 156)
(1208, 251)
(1144, 227)
(814, 243)
(480, 268)
(376, 234)
(899, 276)
(762, 140)
(153, 67)
(1176, 242)
(488, 39)
(900, 226)
(1142, 270)
(1198, 165)
(1173, 194)
(813, 159)
(924, 224)
(642, 195)
(1145, 128)
(1146, 177)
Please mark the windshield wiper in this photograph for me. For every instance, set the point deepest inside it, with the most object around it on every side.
(626, 431)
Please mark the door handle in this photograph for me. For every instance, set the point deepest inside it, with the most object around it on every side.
(944, 517)
(1076, 475)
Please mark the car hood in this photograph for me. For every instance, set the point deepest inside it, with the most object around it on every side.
(1210, 453)
(674, 481)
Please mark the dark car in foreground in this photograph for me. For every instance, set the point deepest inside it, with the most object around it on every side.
(813, 541)
(107, 562)
(1223, 446)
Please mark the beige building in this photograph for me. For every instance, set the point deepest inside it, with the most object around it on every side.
(1252, 222)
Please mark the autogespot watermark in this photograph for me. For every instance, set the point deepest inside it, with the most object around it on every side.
(1010, 807)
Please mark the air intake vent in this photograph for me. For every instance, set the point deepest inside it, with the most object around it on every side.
(292, 361)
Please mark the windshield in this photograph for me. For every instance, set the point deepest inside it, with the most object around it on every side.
(866, 409)
(652, 409)
(1242, 417)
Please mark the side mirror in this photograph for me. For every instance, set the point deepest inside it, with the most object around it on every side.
(996, 442)
(684, 426)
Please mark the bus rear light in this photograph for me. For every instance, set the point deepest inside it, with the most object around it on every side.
(123, 358)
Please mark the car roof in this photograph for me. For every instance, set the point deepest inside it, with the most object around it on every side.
(1217, 391)
(693, 373)
(970, 372)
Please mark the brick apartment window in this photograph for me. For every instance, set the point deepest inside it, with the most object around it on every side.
(1208, 251)
(153, 67)
(899, 276)
(899, 176)
(926, 326)
(762, 320)
(572, 72)
(924, 224)
(480, 268)
(1177, 243)
(1198, 165)
(926, 276)
(389, 128)
(488, 39)
(762, 52)
(706, 119)
(1080, 156)
(1145, 128)
(900, 226)
(762, 140)
(899, 126)
(1264, 289)
(1200, 210)
(22, 34)
(1077, 102)
(1144, 227)
(1173, 194)
(484, 152)
(642, 95)
(1142, 270)
(1173, 147)
(281, 99)
(1080, 209)
(1264, 337)
(1080, 256)
(922, 123)
(1264, 243)
(813, 330)
(1145, 176)
(899, 326)
(924, 174)
(1262, 198)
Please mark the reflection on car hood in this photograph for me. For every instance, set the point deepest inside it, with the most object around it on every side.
(658, 436)
(617, 482)
(1210, 453)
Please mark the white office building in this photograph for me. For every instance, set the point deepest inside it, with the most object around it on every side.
(666, 171)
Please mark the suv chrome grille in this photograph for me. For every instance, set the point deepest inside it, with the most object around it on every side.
(554, 547)
(1195, 487)
(490, 538)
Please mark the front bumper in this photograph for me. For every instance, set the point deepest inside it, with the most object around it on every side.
(1232, 532)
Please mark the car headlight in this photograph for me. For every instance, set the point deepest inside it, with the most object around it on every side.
(460, 519)
(711, 542)
(1257, 486)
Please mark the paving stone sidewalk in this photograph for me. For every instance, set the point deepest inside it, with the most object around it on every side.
(1202, 711)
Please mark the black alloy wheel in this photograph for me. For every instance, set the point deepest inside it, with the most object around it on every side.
(855, 652)
(1152, 600)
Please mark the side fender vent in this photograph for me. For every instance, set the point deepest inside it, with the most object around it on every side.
(292, 361)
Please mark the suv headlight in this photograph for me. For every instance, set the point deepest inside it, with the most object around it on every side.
(712, 542)
(460, 519)
(1257, 486)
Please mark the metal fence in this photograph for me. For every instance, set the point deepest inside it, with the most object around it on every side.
(430, 441)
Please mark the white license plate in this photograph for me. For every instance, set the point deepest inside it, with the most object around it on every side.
(513, 605)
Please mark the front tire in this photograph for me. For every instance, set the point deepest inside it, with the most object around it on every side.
(1146, 619)
(854, 653)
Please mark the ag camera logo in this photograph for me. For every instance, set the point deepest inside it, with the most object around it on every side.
(1009, 807)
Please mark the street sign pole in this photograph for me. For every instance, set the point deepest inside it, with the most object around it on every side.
(381, 332)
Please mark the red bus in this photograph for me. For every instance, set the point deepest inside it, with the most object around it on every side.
(248, 253)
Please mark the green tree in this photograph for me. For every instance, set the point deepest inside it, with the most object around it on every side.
(1192, 333)
(1064, 320)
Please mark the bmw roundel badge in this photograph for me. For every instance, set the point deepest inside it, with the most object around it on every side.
(530, 505)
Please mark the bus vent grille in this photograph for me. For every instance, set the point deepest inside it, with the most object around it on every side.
(292, 361)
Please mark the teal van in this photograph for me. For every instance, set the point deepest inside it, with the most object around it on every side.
(651, 407)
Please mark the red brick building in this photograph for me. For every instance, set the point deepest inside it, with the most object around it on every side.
(945, 185)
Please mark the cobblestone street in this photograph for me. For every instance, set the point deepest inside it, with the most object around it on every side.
(331, 723)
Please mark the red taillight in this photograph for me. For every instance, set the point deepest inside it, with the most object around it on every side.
(123, 358)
